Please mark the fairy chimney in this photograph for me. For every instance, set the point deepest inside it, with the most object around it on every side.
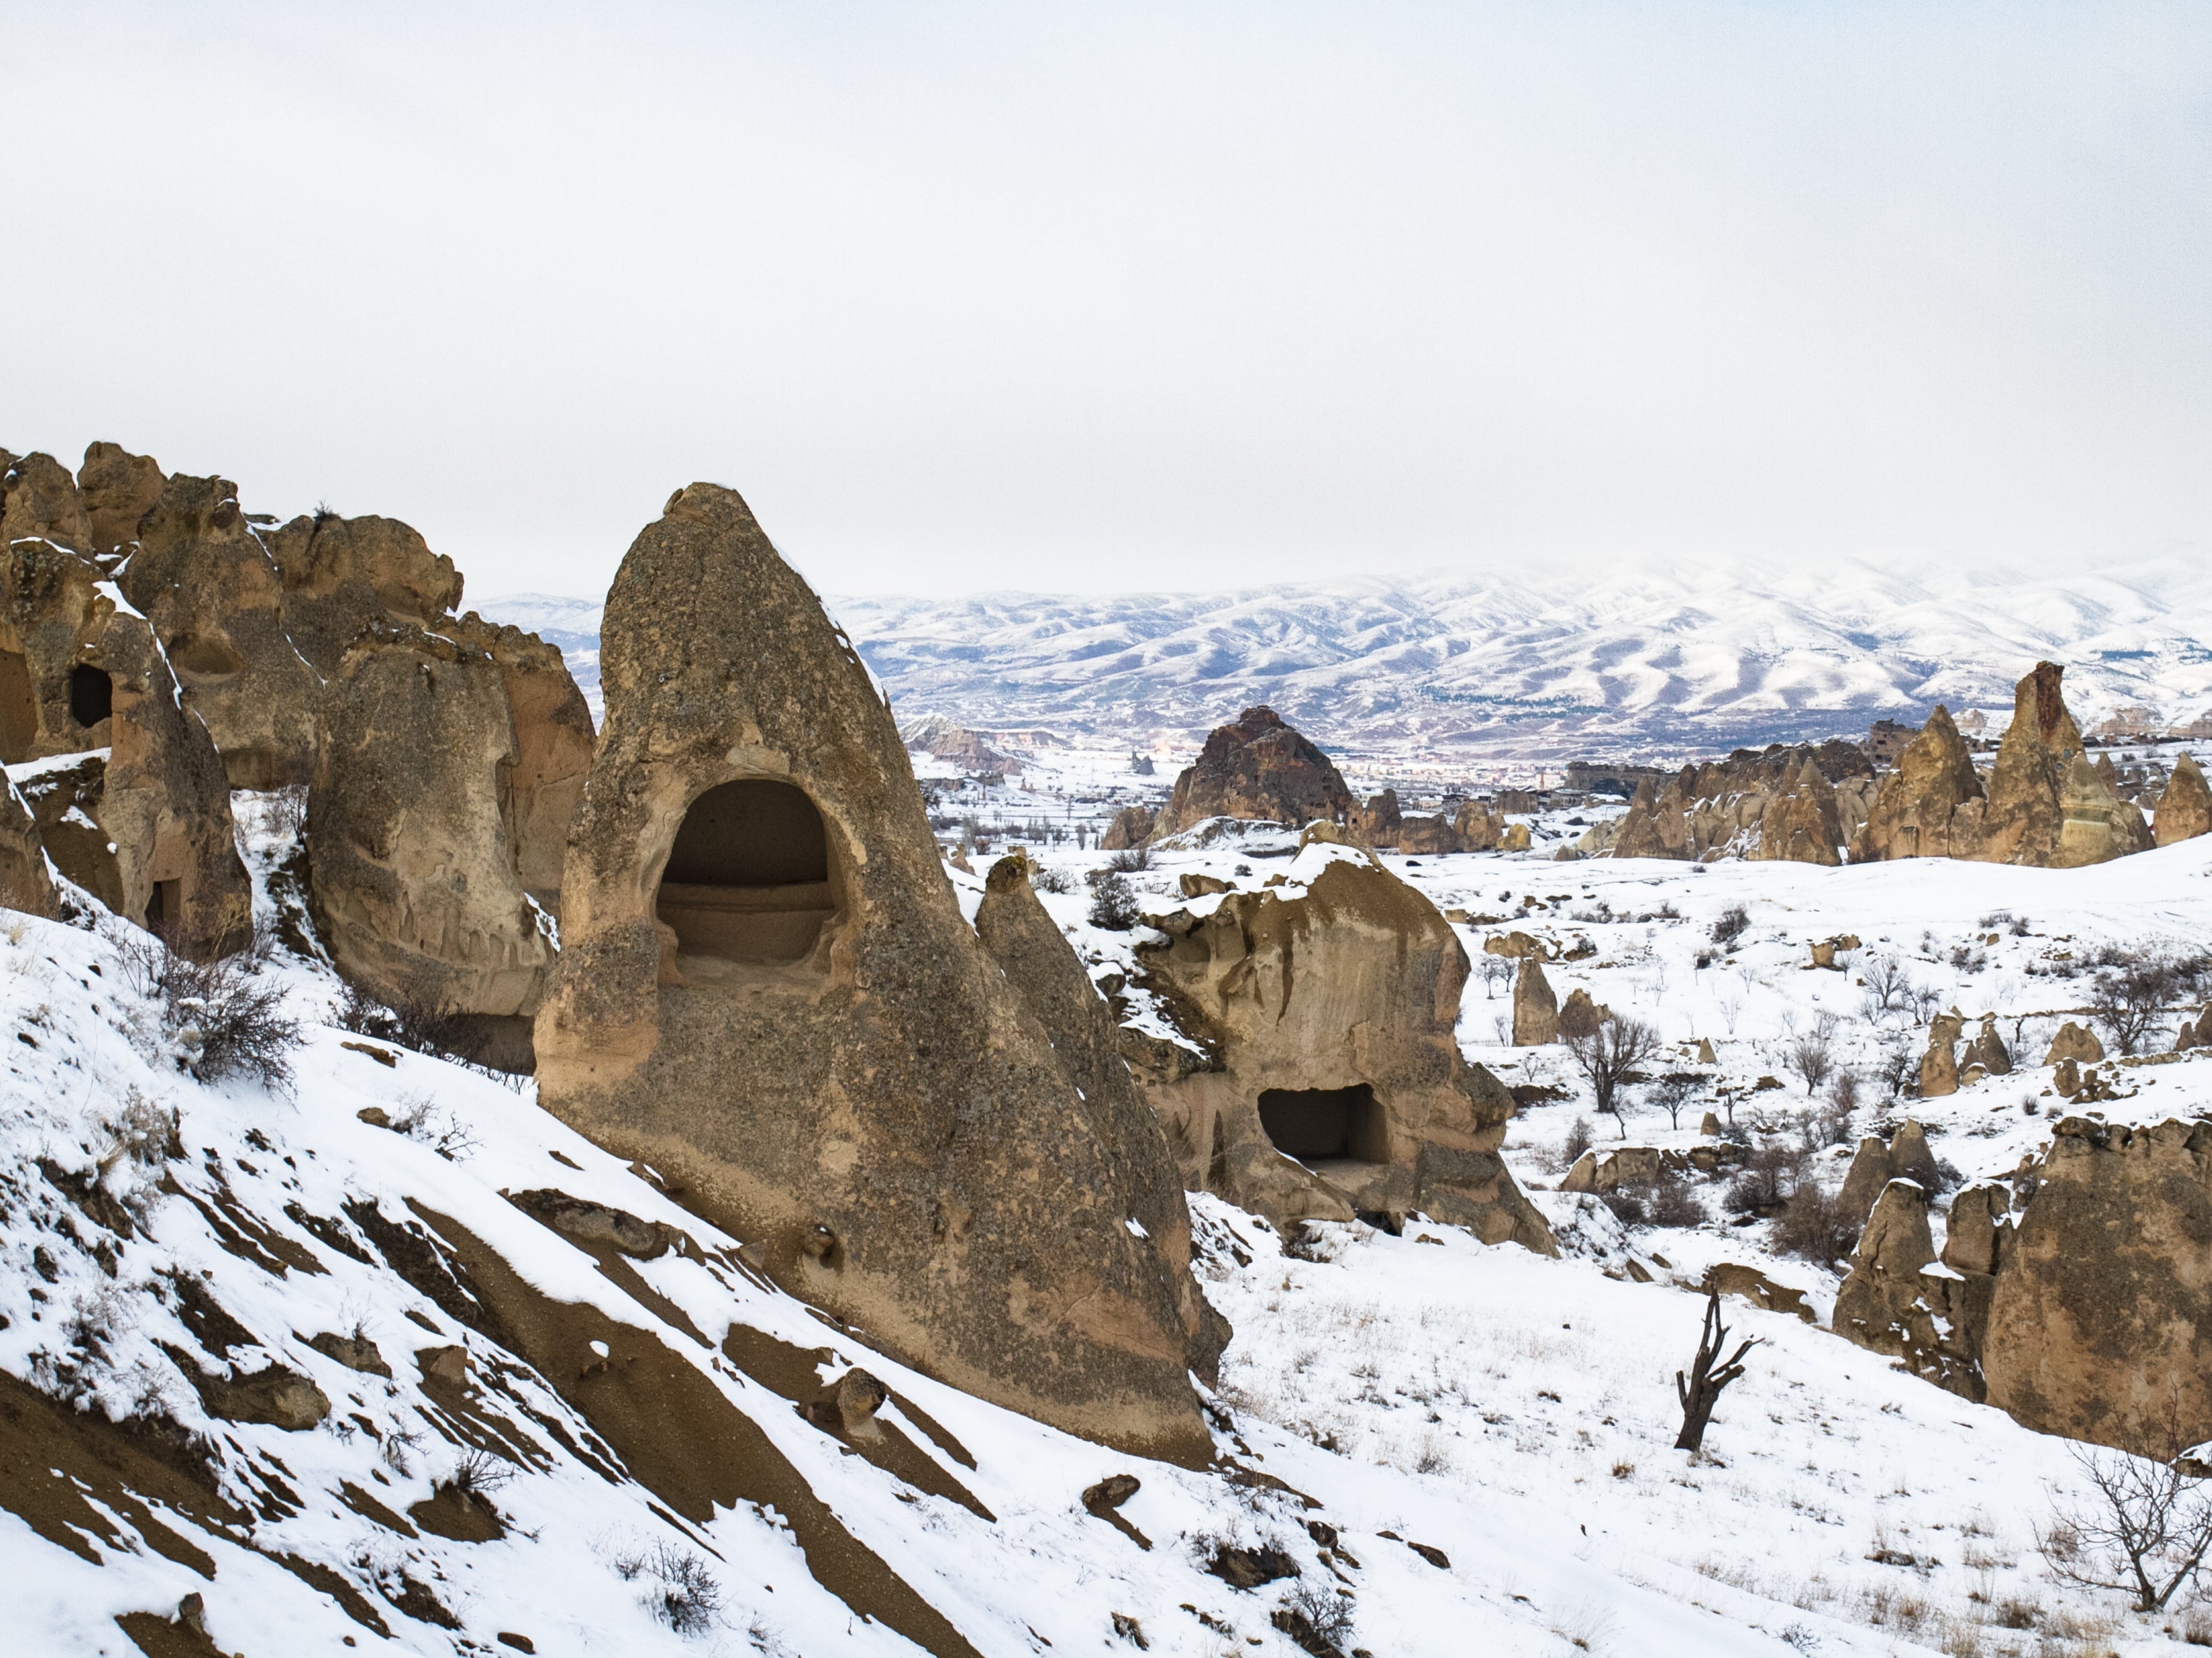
(766, 992)
(1914, 808)
(1257, 767)
(2184, 810)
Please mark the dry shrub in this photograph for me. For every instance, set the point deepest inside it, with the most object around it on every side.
(1814, 1226)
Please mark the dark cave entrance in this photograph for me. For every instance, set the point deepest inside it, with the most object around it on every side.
(92, 694)
(750, 878)
(1317, 1125)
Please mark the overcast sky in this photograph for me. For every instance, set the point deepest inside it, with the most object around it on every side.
(1115, 296)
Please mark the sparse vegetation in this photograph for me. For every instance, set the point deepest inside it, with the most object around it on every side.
(1699, 1390)
(2130, 998)
(1607, 1055)
(1731, 926)
(222, 1021)
(1113, 901)
(681, 1592)
(2142, 1527)
(1130, 859)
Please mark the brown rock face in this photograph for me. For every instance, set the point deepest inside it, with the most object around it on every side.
(77, 674)
(1939, 1066)
(2073, 1042)
(216, 602)
(1257, 768)
(38, 498)
(2047, 806)
(1914, 809)
(1339, 1088)
(118, 489)
(2184, 810)
(2101, 1324)
(411, 835)
(1132, 827)
(1379, 823)
(1535, 1005)
(766, 992)
(1803, 825)
(553, 743)
(341, 574)
(1044, 968)
(24, 884)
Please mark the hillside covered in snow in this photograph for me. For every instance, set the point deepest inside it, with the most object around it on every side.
(1525, 664)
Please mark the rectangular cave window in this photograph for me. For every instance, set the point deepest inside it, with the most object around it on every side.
(163, 906)
(749, 878)
(92, 694)
(1316, 1124)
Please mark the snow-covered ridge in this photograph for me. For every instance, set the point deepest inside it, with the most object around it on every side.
(1542, 664)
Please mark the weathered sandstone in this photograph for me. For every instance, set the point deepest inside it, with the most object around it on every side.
(1257, 767)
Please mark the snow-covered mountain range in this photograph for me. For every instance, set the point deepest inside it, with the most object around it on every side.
(1531, 665)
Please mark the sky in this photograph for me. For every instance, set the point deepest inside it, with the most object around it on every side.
(1134, 296)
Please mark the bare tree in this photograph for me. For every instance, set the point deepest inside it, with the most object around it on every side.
(1495, 970)
(1674, 1091)
(2129, 1000)
(1701, 1389)
(2144, 1532)
(1887, 985)
(1810, 1058)
(1608, 1054)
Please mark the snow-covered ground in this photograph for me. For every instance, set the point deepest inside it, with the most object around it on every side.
(1511, 1414)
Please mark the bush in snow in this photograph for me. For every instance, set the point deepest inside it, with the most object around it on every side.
(1113, 903)
(224, 1021)
(684, 1593)
(1733, 922)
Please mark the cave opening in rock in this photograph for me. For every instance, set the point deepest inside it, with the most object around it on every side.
(19, 709)
(92, 694)
(750, 879)
(164, 905)
(1316, 1125)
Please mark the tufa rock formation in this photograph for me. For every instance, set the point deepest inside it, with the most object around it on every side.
(1132, 827)
(2100, 1327)
(1257, 767)
(1939, 1066)
(1932, 1316)
(2184, 810)
(415, 877)
(768, 992)
(1904, 1157)
(139, 814)
(26, 879)
(2073, 1042)
(1913, 809)
(1535, 1005)
(1044, 968)
(1780, 802)
(1335, 1086)
(342, 574)
(2046, 804)
(217, 603)
(1802, 824)
(118, 490)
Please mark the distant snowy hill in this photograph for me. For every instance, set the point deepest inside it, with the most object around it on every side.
(1539, 665)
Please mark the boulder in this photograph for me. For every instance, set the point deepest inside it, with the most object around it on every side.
(1259, 769)
(1914, 809)
(1732, 1279)
(2184, 810)
(1132, 827)
(1536, 1007)
(2101, 1324)
(137, 810)
(1988, 1050)
(2073, 1042)
(1579, 1016)
(1043, 968)
(1877, 1163)
(1874, 1305)
(118, 489)
(553, 743)
(1432, 836)
(766, 991)
(1710, 1125)
(412, 840)
(1337, 1086)
(2047, 806)
(342, 574)
(212, 593)
(1479, 827)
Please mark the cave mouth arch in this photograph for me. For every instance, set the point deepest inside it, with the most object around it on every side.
(750, 879)
(1326, 1125)
(91, 694)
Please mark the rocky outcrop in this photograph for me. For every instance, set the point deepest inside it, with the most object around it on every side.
(1987, 1052)
(2184, 810)
(1914, 809)
(1802, 824)
(26, 883)
(1044, 968)
(1132, 827)
(766, 992)
(553, 743)
(1535, 1005)
(140, 816)
(411, 838)
(1932, 1316)
(1904, 1156)
(213, 595)
(1939, 1066)
(1723, 808)
(1259, 769)
(342, 574)
(2100, 1327)
(39, 499)
(2076, 1043)
(2047, 806)
(118, 489)
(1377, 823)
(1336, 1086)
